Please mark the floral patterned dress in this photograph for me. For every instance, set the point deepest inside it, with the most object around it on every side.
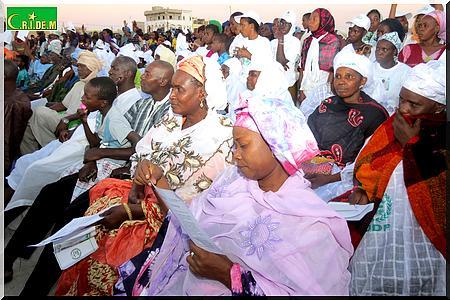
(191, 158)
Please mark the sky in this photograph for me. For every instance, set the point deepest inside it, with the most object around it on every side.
(95, 14)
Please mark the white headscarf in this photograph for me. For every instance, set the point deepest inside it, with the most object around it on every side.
(182, 44)
(234, 65)
(356, 62)
(130, 51)
(428, 80)
(215, 86)
(290, 17)
(271, 81)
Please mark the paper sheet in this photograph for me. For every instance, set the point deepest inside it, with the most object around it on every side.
(187, 220)
(351, 212)
(72, 228)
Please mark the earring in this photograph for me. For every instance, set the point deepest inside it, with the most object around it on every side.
(202, 104)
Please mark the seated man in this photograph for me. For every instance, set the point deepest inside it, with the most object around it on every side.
(17, 113)
(46, 122)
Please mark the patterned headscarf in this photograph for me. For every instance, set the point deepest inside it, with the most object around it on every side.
(440, 18)
(393, 38)
(326, 25)
(282, 126)
(194, 66)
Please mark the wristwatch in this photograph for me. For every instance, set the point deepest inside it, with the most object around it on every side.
(65, 120)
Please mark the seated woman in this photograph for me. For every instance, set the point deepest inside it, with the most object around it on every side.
(388, 74)
(266, 79)
(432, 36)
(251, 212)
(401, 245)
(185, 151)
(341, 124)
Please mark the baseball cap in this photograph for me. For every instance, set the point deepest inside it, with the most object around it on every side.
(425, 10)
(250, 14)
(361, 20)
(403, 14)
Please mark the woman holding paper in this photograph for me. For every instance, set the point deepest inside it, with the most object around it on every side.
(276, 236)
(184, 152)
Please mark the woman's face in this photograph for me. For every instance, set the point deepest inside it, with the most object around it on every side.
(347, 82)
(251, 154)
(264, 31)
(246, 28)
(208, 36)
(83, 71)
(382, 29)
(374, 21)
(385, 52)
(252, 78)
(355, 34)
(314, 22)
(427, 28)
(186, 94)
(412, 104)
(235, 27)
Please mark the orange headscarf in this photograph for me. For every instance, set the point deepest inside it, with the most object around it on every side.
(195, 67)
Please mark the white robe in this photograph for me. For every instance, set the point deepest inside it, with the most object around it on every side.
(395, 257)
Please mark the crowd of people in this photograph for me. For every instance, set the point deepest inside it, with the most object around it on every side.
(259, 127)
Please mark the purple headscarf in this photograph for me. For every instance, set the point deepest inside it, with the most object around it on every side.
(440, 18)
(282, 126)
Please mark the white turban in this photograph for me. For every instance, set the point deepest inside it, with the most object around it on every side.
(428, 80)
(356, 62)
(130, 51)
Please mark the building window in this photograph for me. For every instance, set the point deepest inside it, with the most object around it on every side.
(164, 17)
(170, 17)
(159, 18)
(183, 18)
(179, 18)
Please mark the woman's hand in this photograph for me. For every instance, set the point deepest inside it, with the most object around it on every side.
(359, 196)
(402, 130)
(243, 52)
(147, 173)
(318, 180)
(114, 217)
(88, 172)
(209, 265)
(136, 194)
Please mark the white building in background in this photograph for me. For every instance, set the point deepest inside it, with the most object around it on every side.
(167, 18)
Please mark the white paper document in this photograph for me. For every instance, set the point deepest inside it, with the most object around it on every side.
(72, 229)
(71, 251)
(187, 220)
(351, 212)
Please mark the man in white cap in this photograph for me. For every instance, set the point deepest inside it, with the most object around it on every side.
(254, 46)
(358, 28)
(402, 169)
(286, 48)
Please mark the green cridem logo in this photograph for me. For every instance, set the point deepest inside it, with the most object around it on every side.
(31, 18)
